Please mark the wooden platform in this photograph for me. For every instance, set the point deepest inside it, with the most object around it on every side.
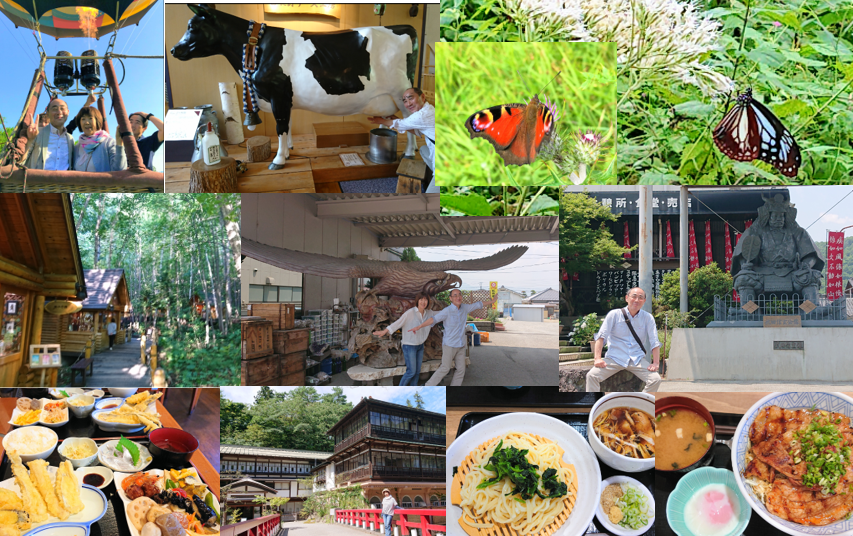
(308, 169)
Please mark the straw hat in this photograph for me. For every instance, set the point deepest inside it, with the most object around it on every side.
(386, 489)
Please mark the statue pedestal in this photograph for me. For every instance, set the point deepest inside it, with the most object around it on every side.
(735, 353)
(386, 376)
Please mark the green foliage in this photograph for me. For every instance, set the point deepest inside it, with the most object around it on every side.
(797, 59)
(585, 242)
(317, 506)
(500, 201)
(419, 401)
(173, 248)
(269, 505)
(584, 329)
(584, 94)
(702, 285)
(5, 136)
(409, 255)
(609, 303)
(296, 419)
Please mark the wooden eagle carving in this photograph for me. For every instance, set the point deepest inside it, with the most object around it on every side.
(395, 278)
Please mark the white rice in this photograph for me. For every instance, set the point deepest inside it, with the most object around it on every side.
(30, 440)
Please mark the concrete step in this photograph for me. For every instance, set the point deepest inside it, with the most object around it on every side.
(580, 363)
(575, 356)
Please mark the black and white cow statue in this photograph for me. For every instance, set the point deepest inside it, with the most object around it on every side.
(358, 71)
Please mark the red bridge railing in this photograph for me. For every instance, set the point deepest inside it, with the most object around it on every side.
(263, 526)
(371, 519)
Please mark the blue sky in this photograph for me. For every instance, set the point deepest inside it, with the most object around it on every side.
(812, 201)
(536, 270)
(435, 399)
(142, 89)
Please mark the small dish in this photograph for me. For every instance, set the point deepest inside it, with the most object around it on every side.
(64, 421)
(78, 441)
(81, 412)
(123, 392)
(109, 403)
(693, 482)
(618, 529)
(104, 472)
(114, 426)
(97, 394)
(69, 391)
(113, 463)
(17, 413)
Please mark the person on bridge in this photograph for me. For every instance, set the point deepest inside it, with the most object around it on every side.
(622, 329)
(388, 506)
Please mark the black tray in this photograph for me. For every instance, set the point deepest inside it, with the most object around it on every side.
(112, 524)
(578, 421)
(665, 483)
(525, 396)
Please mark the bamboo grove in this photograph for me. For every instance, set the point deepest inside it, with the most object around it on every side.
(181, 256)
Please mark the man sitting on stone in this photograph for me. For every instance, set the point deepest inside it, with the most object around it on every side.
(624, 350)
(776, 255)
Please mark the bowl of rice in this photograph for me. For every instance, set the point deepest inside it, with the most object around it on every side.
(80, 451)
(31, 443)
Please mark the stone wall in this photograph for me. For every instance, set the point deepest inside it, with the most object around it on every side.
(573, 379)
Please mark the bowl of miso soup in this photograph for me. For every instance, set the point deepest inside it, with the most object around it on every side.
(684, 435)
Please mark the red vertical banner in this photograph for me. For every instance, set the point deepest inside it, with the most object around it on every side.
(694, 252)
(748, 224)
(728, 249)
(627, 242)
(834, 260)
(709, 256)
(670, 252)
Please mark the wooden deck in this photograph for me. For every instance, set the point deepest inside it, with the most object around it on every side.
(308, 169)
(120, 367)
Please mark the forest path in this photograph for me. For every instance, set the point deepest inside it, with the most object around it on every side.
(120, 367)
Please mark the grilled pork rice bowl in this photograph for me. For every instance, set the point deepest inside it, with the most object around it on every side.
(773, 458)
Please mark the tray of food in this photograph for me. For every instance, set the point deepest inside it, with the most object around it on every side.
(54, 482)
(585, 479)
(783, 467)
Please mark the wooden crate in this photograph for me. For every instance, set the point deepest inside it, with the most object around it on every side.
(291, 363)
(281, 315)
(289, 341)
(295, 379)
(256, 338)
(261, 371)
(349, 133)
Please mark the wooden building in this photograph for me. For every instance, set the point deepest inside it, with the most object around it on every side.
(383, 445)
(107, 298)
(268, 472)
(39, 259)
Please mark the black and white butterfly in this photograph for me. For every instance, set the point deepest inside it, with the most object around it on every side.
(751, 131)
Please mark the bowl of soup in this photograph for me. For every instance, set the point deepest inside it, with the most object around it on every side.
(684, 435)
(621, 431)
(172, 445)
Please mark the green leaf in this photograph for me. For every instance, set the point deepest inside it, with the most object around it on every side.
(470, 205)
(790, 107)
(694, 109)
(790, 20)
(767, 56)
(658, 178)
(125, 443)
(794, 56)
(542, 204)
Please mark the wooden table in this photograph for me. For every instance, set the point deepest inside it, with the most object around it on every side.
(455, 414)
(735, 403)
(205, 469)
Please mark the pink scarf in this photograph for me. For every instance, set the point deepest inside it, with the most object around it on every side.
(90, 143)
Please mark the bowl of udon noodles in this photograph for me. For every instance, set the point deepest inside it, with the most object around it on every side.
(622, 431)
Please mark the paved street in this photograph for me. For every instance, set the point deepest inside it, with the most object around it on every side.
(722, 386)
(301, 528)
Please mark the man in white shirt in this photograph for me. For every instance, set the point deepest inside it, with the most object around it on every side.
(624, 349)
(52, 147)
(421, 122)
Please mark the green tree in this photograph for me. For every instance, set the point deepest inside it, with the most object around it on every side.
(265, 393)
(233, 419)
(702, 285)
(419, 401)
(5, 136)
(585, 242)
(409, 255)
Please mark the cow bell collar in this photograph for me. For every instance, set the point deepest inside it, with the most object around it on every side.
(250, 65)
(252, 118)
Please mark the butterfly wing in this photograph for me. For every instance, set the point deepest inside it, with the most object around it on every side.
(737, 135)
(515, 130)
(498, 124)
(750, 131)
(778, 147)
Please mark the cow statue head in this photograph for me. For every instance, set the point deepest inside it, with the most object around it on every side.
(203, 35)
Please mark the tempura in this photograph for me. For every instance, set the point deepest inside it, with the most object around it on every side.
(67, 488)
(39, 474)
(33, 502)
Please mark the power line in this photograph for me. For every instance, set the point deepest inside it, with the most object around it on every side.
(830, 208)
